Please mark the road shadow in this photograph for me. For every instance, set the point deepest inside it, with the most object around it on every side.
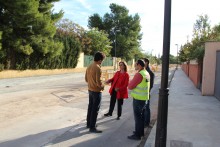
(51, 137)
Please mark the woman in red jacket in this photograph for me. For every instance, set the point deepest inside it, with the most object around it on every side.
(118, 89)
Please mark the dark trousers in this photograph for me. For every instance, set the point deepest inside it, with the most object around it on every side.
(147, 114)
(112, 104)
(93, 108)
(138, 106)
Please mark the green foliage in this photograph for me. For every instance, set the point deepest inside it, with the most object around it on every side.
(95, 21)
(99, 42)
(71, 35)
(201, 28)
(123, 29)
(215, 34)
(173, 59)
(28, 28)
(201, 33)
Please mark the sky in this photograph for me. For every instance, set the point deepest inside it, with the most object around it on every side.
(184, 14)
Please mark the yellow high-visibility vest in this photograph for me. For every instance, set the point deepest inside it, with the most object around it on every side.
(141, 91)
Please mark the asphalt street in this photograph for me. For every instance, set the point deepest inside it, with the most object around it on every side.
(51, 111)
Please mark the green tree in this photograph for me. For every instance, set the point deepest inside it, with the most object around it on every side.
(184, 53)
(172, 59)
(215, 33)
(95, 21)
(71, 35)
(28, 28)
(123, 29)
(201, 33)
(202, 28)
(99, 42)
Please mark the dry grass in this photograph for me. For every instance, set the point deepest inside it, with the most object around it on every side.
(28, 73)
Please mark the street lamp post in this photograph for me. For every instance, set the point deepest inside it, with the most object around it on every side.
(115, 32)
(161, 130)
(177, 56)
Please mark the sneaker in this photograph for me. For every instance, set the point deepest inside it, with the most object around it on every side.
(134, 137)
(94, 130)
(107, 114)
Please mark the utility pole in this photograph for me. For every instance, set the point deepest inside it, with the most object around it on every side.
(177, 55)
(161, 130)
(115, 32)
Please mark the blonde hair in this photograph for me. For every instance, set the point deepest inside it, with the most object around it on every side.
(125, 65)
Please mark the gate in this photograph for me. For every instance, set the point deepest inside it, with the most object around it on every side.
(217, 76)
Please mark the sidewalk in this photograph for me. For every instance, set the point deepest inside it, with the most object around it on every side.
(193, 119)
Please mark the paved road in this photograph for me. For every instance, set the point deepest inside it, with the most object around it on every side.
(51, 111)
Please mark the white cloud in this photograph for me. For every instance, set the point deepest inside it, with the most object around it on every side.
(85, 4)
(184, 15)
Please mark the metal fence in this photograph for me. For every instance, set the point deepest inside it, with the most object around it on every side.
(89, 59)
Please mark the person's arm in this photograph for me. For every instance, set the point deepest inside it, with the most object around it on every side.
(112, 79)
(98, 78)
(135, 81)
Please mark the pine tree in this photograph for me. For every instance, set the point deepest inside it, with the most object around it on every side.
(28, 28)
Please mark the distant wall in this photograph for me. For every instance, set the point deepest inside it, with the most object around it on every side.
(80, 63)
(193, 71)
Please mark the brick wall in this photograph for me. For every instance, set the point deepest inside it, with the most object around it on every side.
(194, 71)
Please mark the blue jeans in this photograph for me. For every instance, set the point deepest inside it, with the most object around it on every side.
(93, 108)
(138, 106)
(147, 114)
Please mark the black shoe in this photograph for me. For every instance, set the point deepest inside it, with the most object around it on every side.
(118, 118)
(134, 133)
(107, 114)
(134, 137)
(94, 130)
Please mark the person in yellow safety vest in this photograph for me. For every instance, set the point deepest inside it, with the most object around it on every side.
(140, 86)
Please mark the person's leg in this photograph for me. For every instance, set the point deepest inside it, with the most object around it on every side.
(96, 96)
(147, 114)
(139, 122)
(112, 103)
(120, 103)
(89, 111)
(139, 119)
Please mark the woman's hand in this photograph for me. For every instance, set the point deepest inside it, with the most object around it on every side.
(116, 89)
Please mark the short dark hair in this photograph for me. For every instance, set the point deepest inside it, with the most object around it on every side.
(141, 62)
(146, 60)
(99, 56)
